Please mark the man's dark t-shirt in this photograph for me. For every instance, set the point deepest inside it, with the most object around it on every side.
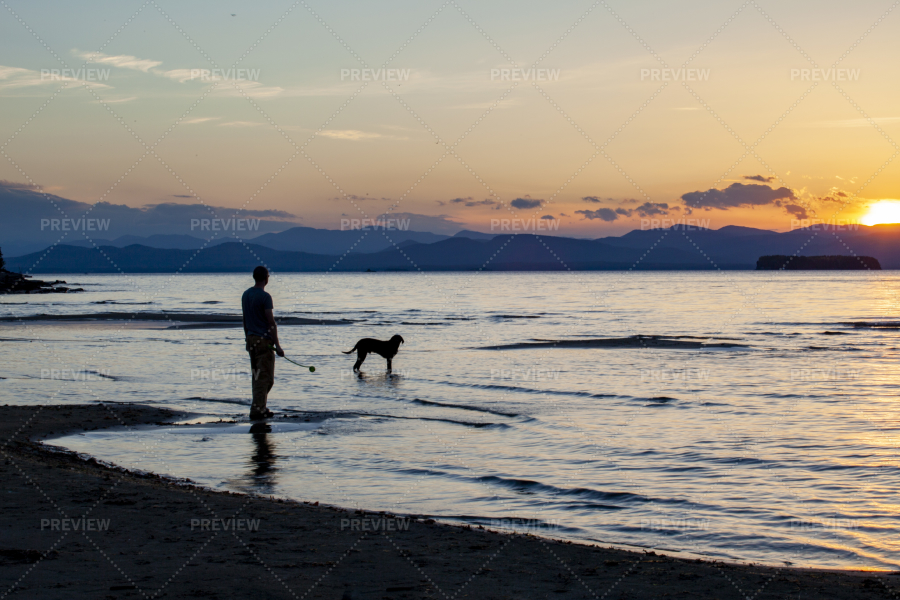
(254, 303)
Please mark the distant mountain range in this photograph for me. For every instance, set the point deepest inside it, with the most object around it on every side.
(296, 239)
(307, 249)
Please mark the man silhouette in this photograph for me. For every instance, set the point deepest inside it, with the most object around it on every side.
(261, 333)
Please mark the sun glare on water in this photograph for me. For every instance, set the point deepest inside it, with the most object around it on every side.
(883, 211)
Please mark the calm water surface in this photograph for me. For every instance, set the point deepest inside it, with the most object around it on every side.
(782, 448)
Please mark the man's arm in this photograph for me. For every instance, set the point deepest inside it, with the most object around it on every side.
(273, 331)
(243, 317)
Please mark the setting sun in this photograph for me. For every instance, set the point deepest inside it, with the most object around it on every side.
(883, 211)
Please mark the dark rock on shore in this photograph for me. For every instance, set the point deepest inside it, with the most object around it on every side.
(16, 283)
(777, 262)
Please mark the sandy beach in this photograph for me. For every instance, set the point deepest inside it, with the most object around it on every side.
(75, 528)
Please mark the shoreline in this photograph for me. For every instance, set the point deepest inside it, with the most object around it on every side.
(156, 541)
(174, 320)
(154, 321)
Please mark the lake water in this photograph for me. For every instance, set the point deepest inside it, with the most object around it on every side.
(775, 443)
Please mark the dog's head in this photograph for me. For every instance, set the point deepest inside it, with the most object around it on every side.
(397, 340)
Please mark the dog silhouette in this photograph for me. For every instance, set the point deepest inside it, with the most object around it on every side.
(387, 350)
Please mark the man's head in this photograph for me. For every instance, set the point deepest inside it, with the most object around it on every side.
(261, 275)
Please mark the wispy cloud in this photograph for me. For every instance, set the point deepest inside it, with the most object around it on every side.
(240, 82)
(123, 61)
(16, 77)
(179, 75)
(240, 124)
(254, 89)
(470, 202)
(196, 120)
(349, 134)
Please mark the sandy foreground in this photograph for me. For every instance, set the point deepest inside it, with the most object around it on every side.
(73, 528)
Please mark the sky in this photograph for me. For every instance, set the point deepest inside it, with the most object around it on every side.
(568, 117)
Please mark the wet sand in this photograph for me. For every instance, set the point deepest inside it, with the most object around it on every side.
(164, 538)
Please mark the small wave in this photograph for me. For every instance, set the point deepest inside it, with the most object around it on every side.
(872, 324)
(575, 506)
(768, 333)
(103, 375)
(854, 324)
(634, 341)
(513, 523)
(514, 317)
(512, 388)
(528, 486)
(453, 421)
(834, 467)
(464, 407)
(240, 401)
(84, 375)
(836, 348)
(117, 302)
(239, 428)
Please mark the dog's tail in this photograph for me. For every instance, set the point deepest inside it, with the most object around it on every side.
(351, 350)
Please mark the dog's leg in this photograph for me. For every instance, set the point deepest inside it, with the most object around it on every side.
(360, 357)
(389, 365)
